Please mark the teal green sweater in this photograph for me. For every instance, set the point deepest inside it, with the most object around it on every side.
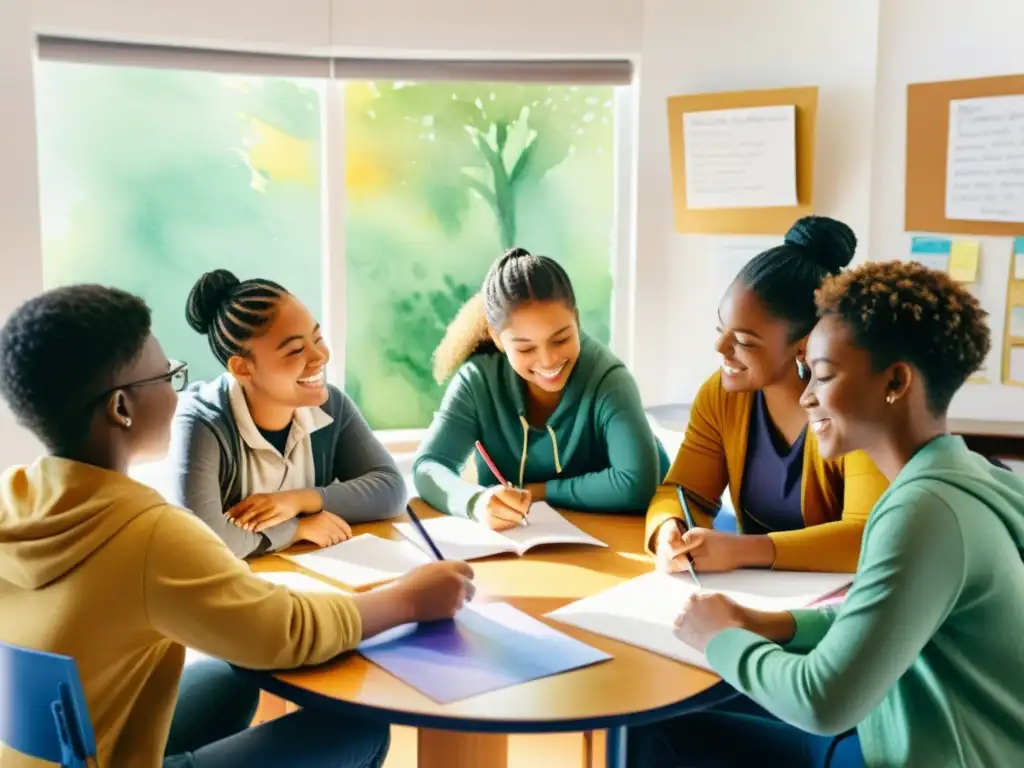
(926, 655)
(597, 452)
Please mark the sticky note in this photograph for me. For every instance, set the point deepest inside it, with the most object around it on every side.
(1018, 258)
(963, 261)
(932, 252)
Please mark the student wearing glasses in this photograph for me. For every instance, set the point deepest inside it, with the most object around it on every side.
(99, 567)
(795, 508)
(922, 665)
(269, 453)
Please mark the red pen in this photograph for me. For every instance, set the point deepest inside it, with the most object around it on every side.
(494, 470)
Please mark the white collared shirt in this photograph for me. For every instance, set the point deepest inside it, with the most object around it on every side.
(263, 469)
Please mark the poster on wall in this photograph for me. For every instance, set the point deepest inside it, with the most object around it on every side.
(740, 158)
(985, 159)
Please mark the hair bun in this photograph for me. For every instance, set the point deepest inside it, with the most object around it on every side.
(828, 242)
(207, 297)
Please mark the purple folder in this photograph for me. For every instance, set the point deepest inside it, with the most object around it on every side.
(485, 648)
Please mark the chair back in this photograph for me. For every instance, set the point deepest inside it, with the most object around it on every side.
(42, 707)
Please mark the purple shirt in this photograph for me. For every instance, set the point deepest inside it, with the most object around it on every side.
(772, 486)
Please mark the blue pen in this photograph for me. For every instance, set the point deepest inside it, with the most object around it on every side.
(423, 532)
(690, 525)
(470, 587)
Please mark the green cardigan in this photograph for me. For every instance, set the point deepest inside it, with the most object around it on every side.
(597, 452)
(925, 656)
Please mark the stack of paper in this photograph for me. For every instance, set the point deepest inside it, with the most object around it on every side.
(363, 561)
(642, 611)
(297, 582)
(462, 539)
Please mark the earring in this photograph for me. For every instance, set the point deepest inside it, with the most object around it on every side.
(890, 398)
(127, 422)
(802, 371)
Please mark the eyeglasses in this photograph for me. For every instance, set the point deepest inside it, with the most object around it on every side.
(176, 376)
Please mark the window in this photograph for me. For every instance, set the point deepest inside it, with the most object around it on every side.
(150, 177)
(441, 177)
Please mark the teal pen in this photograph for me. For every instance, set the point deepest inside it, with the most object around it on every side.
(690, 525)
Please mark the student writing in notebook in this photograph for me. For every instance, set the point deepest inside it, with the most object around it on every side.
(269, 453)
(557, 413)
(101, 568)
(795, 509)
(924, 657)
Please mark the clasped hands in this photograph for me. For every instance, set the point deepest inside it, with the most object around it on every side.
(265, 510)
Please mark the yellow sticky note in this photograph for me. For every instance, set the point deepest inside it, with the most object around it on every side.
(963, 261)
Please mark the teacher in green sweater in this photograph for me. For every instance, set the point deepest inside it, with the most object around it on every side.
(559, 416)
(922, 665)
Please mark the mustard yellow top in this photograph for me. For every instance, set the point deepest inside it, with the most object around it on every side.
(836, 495)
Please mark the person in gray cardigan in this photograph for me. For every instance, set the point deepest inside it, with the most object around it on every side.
(268, 453)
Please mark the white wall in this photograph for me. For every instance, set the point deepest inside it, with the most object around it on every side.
(20, 265)
(924, 41)
(690, 46)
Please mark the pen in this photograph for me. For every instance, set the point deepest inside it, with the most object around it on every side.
(494, 470)
(423, 532)
(470, 587)
(690, 525)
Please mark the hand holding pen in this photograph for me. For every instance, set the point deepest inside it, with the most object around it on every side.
(503, 506)
(690, 524)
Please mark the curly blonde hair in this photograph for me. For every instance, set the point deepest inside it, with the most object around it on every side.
(903, 311)
(514, 279)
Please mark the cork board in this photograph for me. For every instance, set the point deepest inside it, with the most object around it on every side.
(927, 138)
(744, 221)
(1014, 299)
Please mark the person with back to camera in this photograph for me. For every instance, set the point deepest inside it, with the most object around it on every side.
(99, 567)
(556, 411)
(795, 509)
(924, 657)
(269, 453)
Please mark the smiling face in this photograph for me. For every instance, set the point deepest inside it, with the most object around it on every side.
(846, 397)
(755, 347)
(542, 343)
(285, 366)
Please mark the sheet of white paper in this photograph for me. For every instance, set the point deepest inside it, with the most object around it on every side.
(985, 159)
(547, 526)
(642, 611)
(1018, 266)
(457, 538)
(298, 582)
(740, 158)
(363, 560)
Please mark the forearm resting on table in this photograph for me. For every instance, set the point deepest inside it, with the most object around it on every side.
(777, 626)
(381, 609)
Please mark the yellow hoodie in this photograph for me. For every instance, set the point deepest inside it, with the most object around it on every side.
(98, 567)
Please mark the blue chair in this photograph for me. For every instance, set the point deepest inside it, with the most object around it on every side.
(42, 707)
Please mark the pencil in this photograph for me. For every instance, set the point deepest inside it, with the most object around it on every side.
(423, 532)
(496, 472)
(690, 525)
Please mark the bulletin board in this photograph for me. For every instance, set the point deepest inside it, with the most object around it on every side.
(744, 221)
(927, 138)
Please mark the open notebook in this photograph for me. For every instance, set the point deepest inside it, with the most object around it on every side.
(363, 560)
(462, 539)
(642, 611)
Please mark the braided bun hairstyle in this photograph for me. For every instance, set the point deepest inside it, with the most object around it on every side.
(230, 312)
(785, 278)
(516, 278)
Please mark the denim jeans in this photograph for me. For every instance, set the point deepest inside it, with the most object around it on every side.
(734, 734)
(210, 729)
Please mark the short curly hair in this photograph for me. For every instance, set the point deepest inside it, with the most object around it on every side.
(63, 348)
(903, 311)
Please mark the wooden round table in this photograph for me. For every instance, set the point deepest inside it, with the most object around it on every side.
(633, 688)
